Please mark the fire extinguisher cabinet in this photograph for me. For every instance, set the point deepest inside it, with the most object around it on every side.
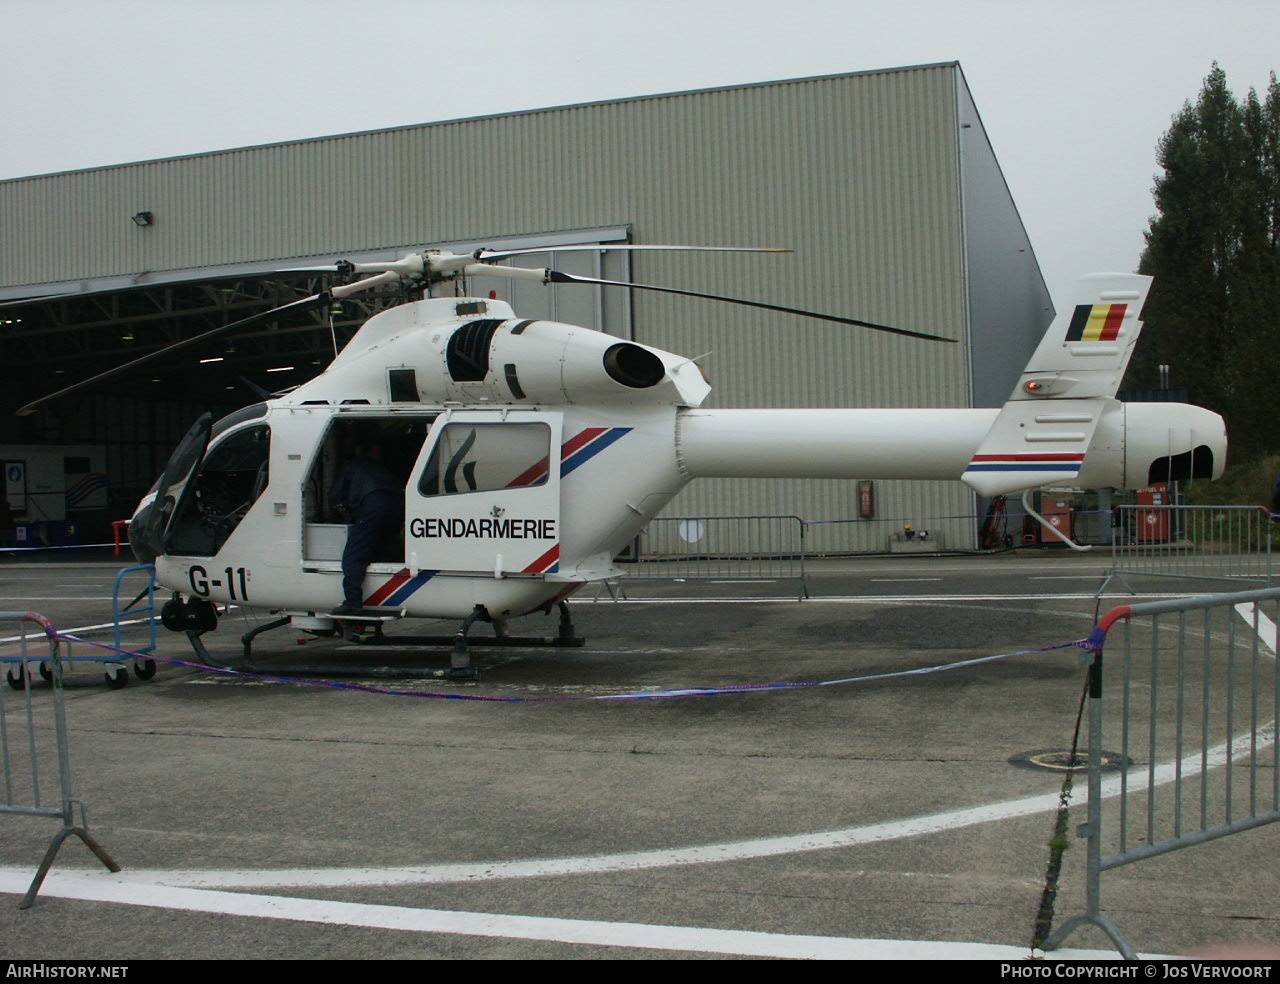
(1153, 524)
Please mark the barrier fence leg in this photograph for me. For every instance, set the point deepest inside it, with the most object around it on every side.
(1091, 830)
(69, 827)
(52, 853)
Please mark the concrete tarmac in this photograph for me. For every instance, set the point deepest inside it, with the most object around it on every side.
(258, 818)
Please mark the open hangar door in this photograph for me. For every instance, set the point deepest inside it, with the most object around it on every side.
(139, 415)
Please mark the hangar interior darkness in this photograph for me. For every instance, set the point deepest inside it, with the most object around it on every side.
(139, 414)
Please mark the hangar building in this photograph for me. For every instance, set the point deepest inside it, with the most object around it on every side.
(883, 183)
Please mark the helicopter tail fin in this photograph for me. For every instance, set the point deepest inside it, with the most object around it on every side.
(1044, 431)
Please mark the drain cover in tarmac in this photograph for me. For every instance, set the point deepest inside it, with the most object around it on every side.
(1059, 760)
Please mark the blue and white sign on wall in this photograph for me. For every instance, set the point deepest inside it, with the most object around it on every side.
(15, 486)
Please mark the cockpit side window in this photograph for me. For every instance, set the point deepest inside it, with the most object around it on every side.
(232, 477)
(485, 457)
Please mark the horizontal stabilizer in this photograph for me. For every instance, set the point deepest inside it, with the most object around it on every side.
(1031, 445)
(1044, 430)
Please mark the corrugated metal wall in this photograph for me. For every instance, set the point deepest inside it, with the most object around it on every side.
(860, 174)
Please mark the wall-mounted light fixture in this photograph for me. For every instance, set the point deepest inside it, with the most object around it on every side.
(141, 219)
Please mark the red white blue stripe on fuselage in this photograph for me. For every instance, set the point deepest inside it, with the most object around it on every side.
(548, 563)
(586, 444)
(1066, 462)
(398, 588)
(574, 453)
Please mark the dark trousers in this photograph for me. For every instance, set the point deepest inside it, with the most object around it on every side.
(374, 533)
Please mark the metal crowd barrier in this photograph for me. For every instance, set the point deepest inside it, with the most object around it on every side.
(134, 622)
(1193, 701)
(729, 548)
(26, 726)
(1196, 542)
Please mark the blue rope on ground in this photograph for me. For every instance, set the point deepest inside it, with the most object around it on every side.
(1086, 644)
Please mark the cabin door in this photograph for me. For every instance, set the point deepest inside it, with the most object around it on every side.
(485, 495)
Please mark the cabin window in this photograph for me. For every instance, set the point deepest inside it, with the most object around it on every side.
(230, 480)
(240, 416)
(486, 457)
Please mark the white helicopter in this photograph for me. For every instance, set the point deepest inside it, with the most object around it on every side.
(533, 452)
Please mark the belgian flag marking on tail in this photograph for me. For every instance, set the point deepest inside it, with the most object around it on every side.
(1096, 322)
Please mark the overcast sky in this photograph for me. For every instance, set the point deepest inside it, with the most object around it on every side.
(1074, 94)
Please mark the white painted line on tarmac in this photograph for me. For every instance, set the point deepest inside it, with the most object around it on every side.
(1266, 628)
(606, 863)
(25, 600)
(80, 629)
(157, 889)
(104, 887)
(676, 857)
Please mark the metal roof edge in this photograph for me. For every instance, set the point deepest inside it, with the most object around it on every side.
(489, 116)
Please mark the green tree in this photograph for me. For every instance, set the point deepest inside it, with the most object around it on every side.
(1214, 249)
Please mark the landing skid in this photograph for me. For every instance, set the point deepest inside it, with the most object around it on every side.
(366, 630)
(460, 666)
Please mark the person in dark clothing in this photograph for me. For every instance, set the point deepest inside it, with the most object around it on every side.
(373, 500)
(6, 521)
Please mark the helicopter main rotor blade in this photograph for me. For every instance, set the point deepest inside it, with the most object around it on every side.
(303, 304)
(436, 265)
(555, 277)
(485, 255)
(33, 299)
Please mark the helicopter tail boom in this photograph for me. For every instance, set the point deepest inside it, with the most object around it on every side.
(1133, 445)
(840, 443)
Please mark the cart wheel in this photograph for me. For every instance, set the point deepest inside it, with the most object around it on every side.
(46, 674)
(145, 669)
(18, 681)
(117, 678)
